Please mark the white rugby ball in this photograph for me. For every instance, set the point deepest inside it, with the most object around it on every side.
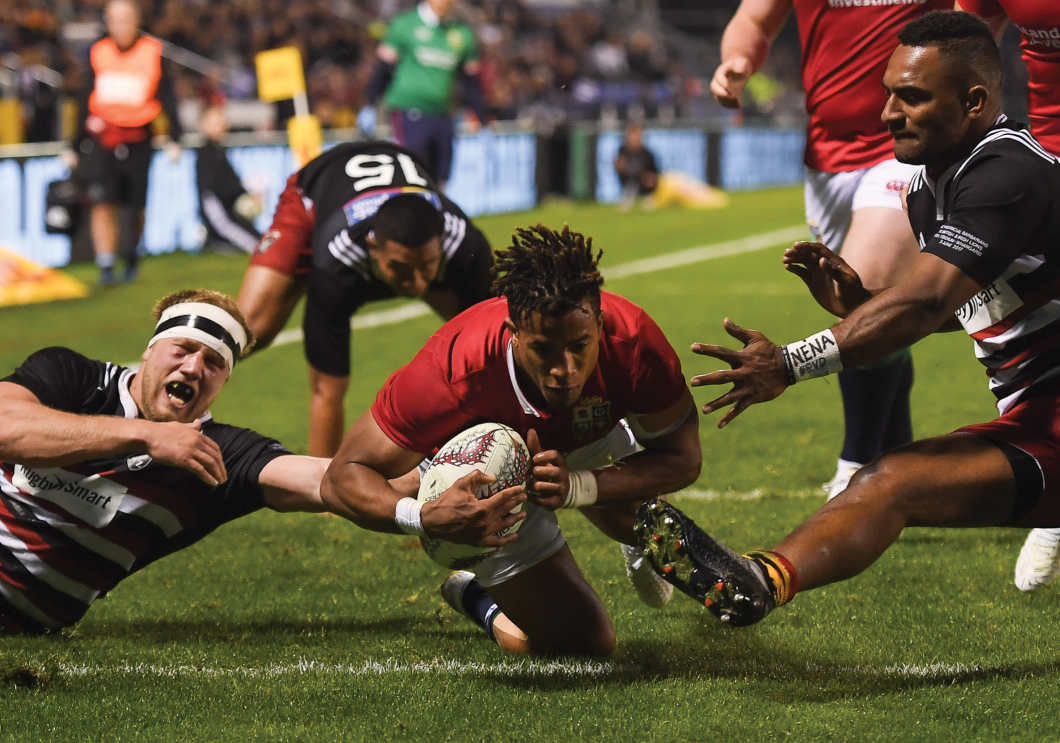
(491, 448)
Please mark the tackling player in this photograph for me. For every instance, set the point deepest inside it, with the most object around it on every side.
(853, 182)
(104, 470)
(1038, 22)
(588, 379)
(984, 207)
(359, 223)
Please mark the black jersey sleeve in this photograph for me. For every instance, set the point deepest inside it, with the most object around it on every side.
(999, 202)
(469, 271)
(245, 455)
(60, 378)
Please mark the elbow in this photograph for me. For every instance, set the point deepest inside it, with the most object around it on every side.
(339, 498)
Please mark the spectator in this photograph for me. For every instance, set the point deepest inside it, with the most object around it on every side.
(636, 167)
(227, 208)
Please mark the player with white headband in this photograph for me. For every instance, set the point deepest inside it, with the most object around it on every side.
(104, 469)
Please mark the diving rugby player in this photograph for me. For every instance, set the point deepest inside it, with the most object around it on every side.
(359, 223)
(984, 207)
(104, 470)
(587, 379)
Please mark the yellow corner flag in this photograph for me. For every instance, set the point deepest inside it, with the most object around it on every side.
(279, 74)
(22, 281)
(305, 137)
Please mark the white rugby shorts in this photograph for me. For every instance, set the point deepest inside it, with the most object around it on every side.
(540, 535)
(832, 198)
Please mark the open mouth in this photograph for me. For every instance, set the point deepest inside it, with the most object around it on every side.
(179, 393)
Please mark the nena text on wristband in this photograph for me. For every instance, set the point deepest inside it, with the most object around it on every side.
(816, 356)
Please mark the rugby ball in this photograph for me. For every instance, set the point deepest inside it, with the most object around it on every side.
(491, 448)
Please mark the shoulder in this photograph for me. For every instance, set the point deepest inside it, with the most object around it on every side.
(146, 42)
(62, 362)
(473, 341)
(622, 318)
(1005, 149)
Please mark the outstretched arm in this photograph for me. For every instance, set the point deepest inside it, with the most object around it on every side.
(38, 436)
(894, 319)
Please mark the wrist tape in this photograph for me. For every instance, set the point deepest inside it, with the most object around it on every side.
(407, 517)
(816, 356)
(582, 491)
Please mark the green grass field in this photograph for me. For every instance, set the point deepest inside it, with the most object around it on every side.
(298, 627)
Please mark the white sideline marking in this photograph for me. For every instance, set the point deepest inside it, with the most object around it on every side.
(520, 669)
(621, 271)
(756, 494)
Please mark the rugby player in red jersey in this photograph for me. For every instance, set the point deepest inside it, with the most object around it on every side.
(853, 182)
(104, 470)
(361, 222)
(1038, 22)
(595, 389)
(984, 208)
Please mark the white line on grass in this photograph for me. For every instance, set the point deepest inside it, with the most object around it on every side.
(514, 669)
(756, 494)
(633, 268)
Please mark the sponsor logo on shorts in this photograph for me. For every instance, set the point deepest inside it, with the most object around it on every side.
(896, 185)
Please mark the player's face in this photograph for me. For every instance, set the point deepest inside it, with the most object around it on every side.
(408, 271)
(441, 8)
(925, 111)
(179, 380)
(558, 353)
(123, 23)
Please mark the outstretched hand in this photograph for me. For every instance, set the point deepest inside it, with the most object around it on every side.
(458, 515)
(757, 373)
(832, 282)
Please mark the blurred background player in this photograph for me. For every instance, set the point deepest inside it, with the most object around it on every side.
(853, 182)
(227, 208)
(635, 166)
(419, 60)
(587, 379)
(1038, 22)
(126, 88)
(359, 223)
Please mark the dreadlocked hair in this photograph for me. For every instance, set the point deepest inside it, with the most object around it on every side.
(548, 272)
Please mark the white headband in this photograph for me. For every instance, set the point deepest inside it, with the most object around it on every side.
(206, 323)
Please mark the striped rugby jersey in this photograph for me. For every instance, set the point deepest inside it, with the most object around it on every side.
(69, 534)
(996, 216)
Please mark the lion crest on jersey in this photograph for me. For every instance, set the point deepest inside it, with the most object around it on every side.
(592, 415)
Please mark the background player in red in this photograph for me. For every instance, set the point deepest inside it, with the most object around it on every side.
(587, 378)
(853, 182)
(1038, 22)
(984, 206)
(359, 223)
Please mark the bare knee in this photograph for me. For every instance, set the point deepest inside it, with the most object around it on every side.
(881, 484)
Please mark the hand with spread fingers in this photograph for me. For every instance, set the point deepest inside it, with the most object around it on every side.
(757, 375)
(459, 515)
(832, 282)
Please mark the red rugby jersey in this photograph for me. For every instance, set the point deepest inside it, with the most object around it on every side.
(1039, 24)
(464, 375)
(846, 45)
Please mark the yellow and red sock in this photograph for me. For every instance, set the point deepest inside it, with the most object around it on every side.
(779, 574)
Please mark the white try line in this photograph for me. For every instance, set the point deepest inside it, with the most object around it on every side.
(515, 669)
(751, 495)
(633, 268)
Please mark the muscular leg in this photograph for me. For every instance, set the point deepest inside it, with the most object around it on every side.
(881, 247)
(614, 521)
(267, 299)
(556, 608)
(957, 480)
(326, 413)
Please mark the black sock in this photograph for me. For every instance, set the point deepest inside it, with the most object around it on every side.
(481, 606)
(876, 408)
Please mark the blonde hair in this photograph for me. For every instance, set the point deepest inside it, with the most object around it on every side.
(207, 296)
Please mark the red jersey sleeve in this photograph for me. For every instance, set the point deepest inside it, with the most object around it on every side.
(657, 380)
(418, 409)
(287, 246)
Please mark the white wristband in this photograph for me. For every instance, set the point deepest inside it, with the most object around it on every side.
(816, 356)
(407, 516)
(582, 490)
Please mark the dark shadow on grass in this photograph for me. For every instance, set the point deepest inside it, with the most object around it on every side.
(258, 632)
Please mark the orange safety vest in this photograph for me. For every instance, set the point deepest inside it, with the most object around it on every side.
(126, 82)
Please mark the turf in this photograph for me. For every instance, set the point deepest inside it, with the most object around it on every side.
(295, 627)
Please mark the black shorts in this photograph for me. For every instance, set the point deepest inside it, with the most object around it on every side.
(115, 176)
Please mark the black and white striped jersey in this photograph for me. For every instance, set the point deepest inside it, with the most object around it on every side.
(343, 189)
(996, 216)
(69, 534)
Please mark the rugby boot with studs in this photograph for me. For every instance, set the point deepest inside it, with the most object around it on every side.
(729, 585)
